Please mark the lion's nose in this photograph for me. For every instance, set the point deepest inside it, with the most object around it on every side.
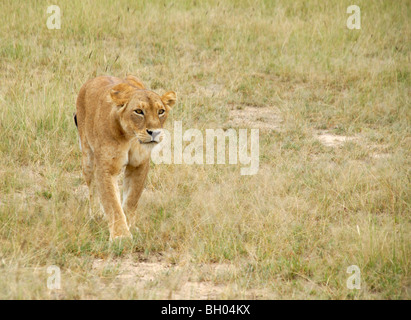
(154, 134)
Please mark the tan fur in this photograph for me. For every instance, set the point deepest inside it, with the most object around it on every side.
(114, 136)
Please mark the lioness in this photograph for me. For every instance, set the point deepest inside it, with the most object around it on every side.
(119, 122)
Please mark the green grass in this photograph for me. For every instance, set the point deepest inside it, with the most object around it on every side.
(290, 231)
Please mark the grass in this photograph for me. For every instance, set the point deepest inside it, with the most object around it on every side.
(290, 231)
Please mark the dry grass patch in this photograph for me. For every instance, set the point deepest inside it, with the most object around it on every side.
(293, 70)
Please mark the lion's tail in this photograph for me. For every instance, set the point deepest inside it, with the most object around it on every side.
(75, 119)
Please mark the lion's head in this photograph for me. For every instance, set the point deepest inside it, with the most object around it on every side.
(142, 112)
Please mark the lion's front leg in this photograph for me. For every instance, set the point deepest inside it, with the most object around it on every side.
(110, 199)
(134, 178)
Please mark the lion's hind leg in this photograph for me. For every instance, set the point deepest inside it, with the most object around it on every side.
(88, 166)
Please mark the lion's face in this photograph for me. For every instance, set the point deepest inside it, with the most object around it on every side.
(142, 113)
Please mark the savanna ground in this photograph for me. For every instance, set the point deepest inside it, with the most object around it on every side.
(333, 188)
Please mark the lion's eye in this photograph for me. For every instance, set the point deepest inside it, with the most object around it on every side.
(161, 111)
(139, 111)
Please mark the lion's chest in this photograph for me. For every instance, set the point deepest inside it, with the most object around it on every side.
(137, 154)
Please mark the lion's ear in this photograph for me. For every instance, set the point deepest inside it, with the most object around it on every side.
(121, 93)
(169, 98)
(135, 82)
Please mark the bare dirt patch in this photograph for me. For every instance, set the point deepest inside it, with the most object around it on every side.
(376, 151)
(156, 275)
(332, 140)
(266, 118)
(381, 155)
(162, 280)
(211, 90)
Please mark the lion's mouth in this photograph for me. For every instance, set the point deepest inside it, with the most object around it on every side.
(155, 140)
(149, 142)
